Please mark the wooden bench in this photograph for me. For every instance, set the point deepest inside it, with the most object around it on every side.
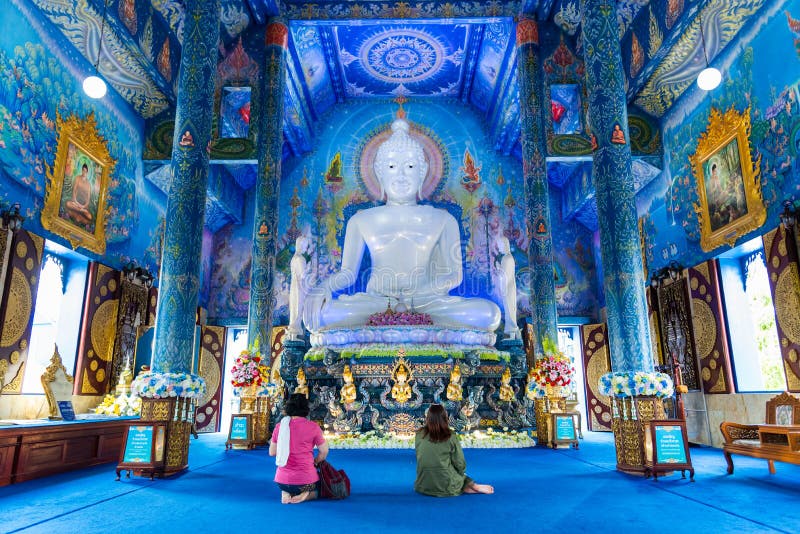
(777, 440)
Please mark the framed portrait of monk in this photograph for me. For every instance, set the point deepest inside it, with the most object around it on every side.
(77, 184)
(728, 182)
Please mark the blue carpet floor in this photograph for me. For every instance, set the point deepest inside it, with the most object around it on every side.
(537, 490)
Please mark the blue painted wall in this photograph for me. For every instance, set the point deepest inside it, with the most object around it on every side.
(41, 78)
(761, 69)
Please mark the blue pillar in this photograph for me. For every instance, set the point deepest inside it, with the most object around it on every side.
(628, 328)
(534, 169)
(179, 282)
(270, 146)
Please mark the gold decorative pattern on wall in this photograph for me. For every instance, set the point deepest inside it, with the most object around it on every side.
(102, 329)
(20, 300)
(18, 313)
(209, 370)
(781, 255)
(787, 303)
(705, 328)
(596, 362)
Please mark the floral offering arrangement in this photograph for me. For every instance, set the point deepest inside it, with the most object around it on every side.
(119, 406)
(533, 390)
(636, 384)
(475, 439)
(554, 369)
(249, 369)
(402, 318)
(152, 385)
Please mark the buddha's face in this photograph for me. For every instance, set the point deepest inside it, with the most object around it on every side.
(401, 174)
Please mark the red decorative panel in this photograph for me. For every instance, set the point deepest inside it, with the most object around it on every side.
(98, 331)
(596, 363)
(19, 302)
(212, 357)
(710, 336)
(780, 248)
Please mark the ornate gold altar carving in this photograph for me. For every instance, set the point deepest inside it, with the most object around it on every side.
(731, 209)
(247, 398)
(402, 376)
(454, 390)
(302, 386)
(348, 392)
(506, 391)
(102, 329)
(630, 414)
(75, 199)
(178, 413)
(56, 382)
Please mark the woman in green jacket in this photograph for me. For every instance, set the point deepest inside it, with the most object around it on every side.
(440, 460)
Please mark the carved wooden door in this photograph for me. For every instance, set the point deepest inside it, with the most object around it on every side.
(98, 331)
(19, 302)
(780, 247)
(210, 367)
(596, 362)
(710, 335)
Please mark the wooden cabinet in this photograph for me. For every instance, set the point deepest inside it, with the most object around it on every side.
(28, 452)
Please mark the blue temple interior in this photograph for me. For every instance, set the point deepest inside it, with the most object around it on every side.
(453, 68)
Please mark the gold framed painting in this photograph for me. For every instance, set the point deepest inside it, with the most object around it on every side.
(728, 184)
(77, 184)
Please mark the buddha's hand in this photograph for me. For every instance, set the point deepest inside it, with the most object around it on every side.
(317, 301)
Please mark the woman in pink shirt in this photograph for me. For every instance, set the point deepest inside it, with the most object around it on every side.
(296, 475)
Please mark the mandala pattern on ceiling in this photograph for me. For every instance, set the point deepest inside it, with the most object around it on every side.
(402, 56)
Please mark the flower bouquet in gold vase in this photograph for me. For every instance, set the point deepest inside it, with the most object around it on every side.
(552, 375)
(249, 373)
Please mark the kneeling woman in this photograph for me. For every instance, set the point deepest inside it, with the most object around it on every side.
(293, 443)
(440, 461)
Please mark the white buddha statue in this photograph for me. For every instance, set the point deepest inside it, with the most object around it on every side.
(507, 285)
(300, 268)
(415, 252)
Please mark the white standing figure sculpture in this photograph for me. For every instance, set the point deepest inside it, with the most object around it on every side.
(415, 252)
(299, 286)
(507, 285)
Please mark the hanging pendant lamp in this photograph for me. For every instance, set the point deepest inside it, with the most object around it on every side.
(710, 77)
(94, 86)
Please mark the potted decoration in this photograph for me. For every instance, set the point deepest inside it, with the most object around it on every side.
(248, 374)
(552, 375)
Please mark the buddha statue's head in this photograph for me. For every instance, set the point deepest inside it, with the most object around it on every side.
(400, 165)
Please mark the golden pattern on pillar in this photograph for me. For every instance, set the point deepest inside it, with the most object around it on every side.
(18, 309)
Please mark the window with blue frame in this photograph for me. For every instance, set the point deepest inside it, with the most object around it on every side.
(750, 314)
(57, 315)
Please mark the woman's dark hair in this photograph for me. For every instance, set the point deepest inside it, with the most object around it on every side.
(437, 426)
(297, 405)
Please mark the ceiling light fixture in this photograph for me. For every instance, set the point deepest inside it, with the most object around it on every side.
(93, 85)
(710, 77)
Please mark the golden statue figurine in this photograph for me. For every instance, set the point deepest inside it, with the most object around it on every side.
(302, 387)
(348, 391)
(454, 392)
(401, 374)
(506, 391)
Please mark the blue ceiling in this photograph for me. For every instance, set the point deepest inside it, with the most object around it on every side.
(342, 50)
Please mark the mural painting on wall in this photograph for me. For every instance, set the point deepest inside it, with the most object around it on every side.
(40, 86)
(759, 78)
(729, 187)
(76, 185)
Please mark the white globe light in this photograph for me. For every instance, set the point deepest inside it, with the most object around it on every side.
(94, 87)
(709, 78)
